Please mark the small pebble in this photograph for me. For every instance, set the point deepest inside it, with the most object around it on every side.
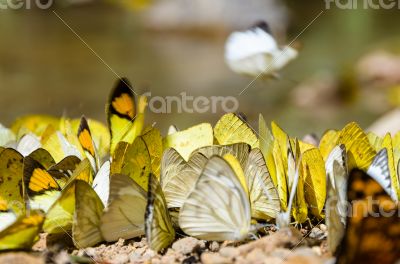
(317, 233)
(214, 246)
(186, 245)
(323, 227)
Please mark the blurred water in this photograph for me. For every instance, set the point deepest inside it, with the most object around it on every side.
(45, 68)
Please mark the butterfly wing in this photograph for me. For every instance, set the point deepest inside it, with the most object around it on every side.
(218, 208)
(125, 119)
(239, 150)
(263, 194)
(88, 211)
(373, 230)
(123, 217)
(23, 233)
(87, 143)
(11, 181)
(101, 183)
(158, 225)
(186, 141)
(230, 129)
(379, 171)
(178, 177)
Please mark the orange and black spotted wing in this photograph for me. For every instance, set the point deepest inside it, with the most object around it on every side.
(63, 170)
(121, 111)
(373, 225)
(122, 101)
(87, 143)
(37, 179)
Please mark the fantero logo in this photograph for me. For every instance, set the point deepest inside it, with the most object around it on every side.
(25, 4)
(362, 4)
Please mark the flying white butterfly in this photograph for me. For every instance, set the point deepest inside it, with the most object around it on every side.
(255, 52)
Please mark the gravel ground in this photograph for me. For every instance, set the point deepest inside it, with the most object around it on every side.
(284, 246)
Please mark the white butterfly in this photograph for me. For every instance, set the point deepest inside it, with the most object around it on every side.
(255, 52)
(379, 171)
(101, 183)
(218, 208)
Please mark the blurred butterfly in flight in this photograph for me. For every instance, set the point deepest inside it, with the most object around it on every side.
(256, 53)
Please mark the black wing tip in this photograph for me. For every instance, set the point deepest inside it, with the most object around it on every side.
(242, 116)
(122, 85)
(83, 125)
(262, 24)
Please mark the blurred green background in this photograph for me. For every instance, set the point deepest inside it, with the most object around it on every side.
(45, 68)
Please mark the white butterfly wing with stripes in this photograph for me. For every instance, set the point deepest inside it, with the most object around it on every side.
(239, 150)
(178, 177)
(379, 170)
(339, 155)
(264, 197)
(218, 208)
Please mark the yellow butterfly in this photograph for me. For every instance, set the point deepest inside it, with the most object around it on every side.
(159, 229)
(43, 157)
(88, 211)
(122, 218)
(133, 160)
(124, 215)
(125, 118)
(299, 204)
(267, 146)
(36, 124)
(41, 187)
(186, 141)
(11, 182)
(59, 217)
(153, 139)
(313, 171)
(359, 150)
(23, 232)
(230, 129)
(87, 143)
(99, 133)
(59, 146)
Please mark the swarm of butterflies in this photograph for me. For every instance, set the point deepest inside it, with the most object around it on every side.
(227, 182)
